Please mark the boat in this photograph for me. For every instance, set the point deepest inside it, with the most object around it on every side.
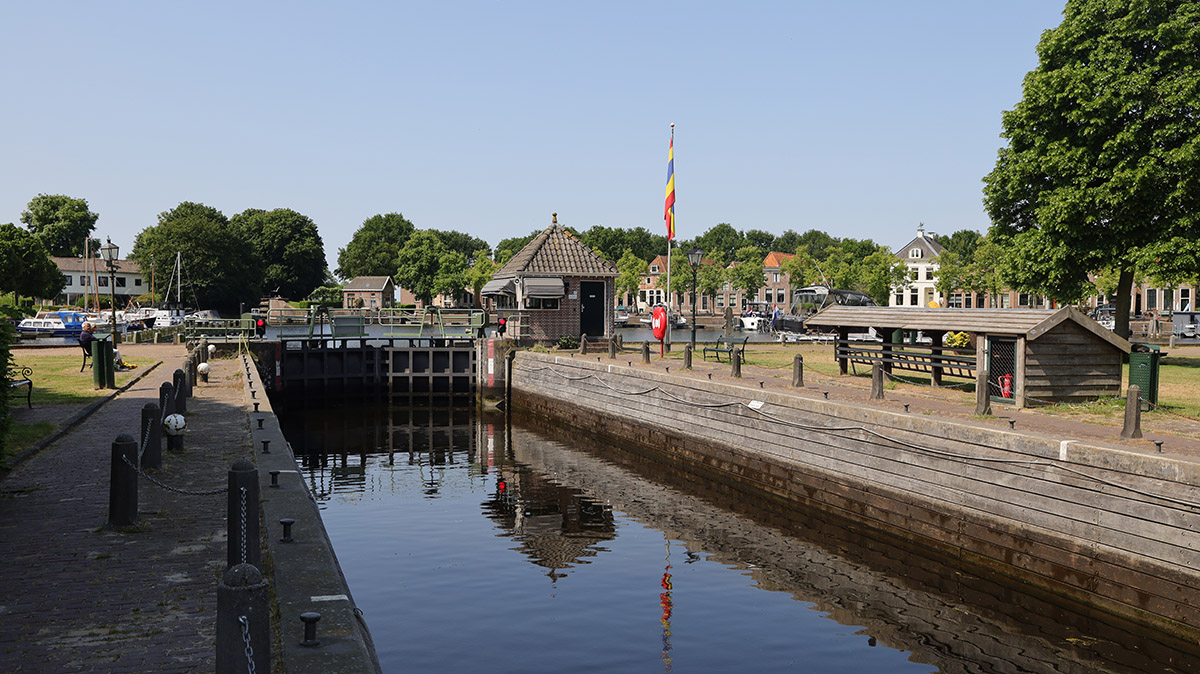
(811, 299)
(677, 319)
(756, 317)
(620, 317)
(62, 323)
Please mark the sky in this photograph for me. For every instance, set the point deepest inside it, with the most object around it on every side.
(859, 118)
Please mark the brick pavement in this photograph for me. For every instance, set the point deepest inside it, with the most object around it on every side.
(78, 597)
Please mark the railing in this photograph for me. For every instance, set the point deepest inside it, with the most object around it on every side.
(949, 361)
(427, 323)
(218, 328)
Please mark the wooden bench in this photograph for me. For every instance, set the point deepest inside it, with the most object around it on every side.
(22, 376)
(723, 345)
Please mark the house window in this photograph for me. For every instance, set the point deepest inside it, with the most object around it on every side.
(899, 299)
(1168, 298)
(83, 280)
(915, 253)
(653, 269)
(541, 302)
(1185, 299)
(137, 282)
(1151, 299)
(775, 277)
(779, 296)
(1005, 301)
(67, 279)
(929, 273)
(720, 301)
(956, 301)
(912, 297)
(504, 302)
(967, 300)
(102, 281)
(1023, 300)
(120, 281)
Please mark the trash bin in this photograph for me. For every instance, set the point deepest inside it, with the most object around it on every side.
(1143, 371)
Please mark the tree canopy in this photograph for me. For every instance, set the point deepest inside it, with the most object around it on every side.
(372, 249)
(288, 246)
(62, 223)
(25, 266)
(219, 265)
(419, 265)
(1101, 166)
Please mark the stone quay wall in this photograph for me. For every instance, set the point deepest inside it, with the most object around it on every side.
(1089, 526)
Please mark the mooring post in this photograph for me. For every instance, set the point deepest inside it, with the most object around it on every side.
(1133, 413)
(798, 371)
(876, 381)
(166, 399)
(123, 484)
(983, 401)
(687, 356)
(243, 621)
(583, 343)
(646, 353)
(151, 436)
(242, 517)
(735, 363)
(203, 352)
(179, 387)
(612, 347)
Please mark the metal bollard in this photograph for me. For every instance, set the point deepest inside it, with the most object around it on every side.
(179, 385)
(287, 523)
(243, 621)
(876, 381)
(274, 478)
(1132, 427)
(123, 484)
(242, 517)
(798, 371)
(151, 436)
(310, 628)
(687, 357)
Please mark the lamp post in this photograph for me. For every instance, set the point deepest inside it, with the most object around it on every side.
(109, 253)
(694, 257)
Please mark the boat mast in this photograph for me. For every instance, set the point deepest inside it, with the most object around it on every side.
(178, 276)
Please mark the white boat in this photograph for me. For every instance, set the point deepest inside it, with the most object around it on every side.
(620, 317)
(53, 324)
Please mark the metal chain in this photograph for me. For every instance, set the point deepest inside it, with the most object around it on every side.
(145, 439)
(168, 487)
(1160, 408)
(243, 525)
(245, 622)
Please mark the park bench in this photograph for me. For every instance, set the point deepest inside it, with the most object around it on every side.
(22, 376)
(724, 345)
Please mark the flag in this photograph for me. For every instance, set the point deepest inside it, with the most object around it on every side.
(669, 210)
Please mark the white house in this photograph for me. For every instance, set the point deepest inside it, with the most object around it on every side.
(919, 254)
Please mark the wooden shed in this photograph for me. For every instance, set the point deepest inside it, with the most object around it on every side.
(1032, 356)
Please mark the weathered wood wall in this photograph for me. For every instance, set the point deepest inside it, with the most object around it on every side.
(1105, 528)
(1069, 364)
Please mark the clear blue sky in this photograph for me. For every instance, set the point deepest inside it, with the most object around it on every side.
(857, 118)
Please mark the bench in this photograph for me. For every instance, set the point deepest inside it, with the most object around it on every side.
(22, 376)
(723, 345)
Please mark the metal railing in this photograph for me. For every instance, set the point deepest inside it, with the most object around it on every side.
(430, 322)
(218, 328)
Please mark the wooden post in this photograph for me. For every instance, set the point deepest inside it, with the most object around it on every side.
(735, 363)
(935, 354)
(876, 381)
(983, 401)
(798, 371)
(1133, 413)
(687, 356)
(842, 343)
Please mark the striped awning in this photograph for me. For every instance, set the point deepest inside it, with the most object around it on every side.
(543, 287)
(505, 286)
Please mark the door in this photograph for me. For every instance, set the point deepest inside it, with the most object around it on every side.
(1002, 368)
(592, 303)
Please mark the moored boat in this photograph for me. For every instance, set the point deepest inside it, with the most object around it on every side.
(62, 323)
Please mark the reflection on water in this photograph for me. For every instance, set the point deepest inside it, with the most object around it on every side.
(475, 546)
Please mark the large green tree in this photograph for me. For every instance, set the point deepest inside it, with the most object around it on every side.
(418, 265)
(291, 256)
(723, 239)
(481, 271)
(748, 275)
(25, 266)
(1102, 168)
(218, 265)
(372, 249)
(631, 269)
(62, 223)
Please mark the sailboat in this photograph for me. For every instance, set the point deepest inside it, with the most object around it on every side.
(166, 313)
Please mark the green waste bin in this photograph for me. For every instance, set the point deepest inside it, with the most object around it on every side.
(1143, 371)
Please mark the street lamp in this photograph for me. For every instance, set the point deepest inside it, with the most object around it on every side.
(694, 257)
(108, 252)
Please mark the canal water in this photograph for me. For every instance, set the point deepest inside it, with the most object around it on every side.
(473, 543)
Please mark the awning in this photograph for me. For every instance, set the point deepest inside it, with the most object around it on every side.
(544, 287)
(499, 287)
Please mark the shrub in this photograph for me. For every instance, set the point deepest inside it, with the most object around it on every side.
(568, 342)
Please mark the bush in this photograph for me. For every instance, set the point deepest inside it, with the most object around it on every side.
(568, 342)
(958, 340)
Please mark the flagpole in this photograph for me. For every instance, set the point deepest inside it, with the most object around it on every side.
(669, 233)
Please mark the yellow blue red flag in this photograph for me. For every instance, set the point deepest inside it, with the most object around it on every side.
(669, 211)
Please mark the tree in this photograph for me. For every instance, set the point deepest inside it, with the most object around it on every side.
(723, 239)
(879, 272)
(817, 243)
(25, 267)
(1100, 168)
(451, 274)
(465, 244)
(372, 249)
(62, 223)
(713, 275)
(963, 242)
(800, 268)
(418, 264)
(631, 269)
(219, 265)
(479, 274)
(511, 246)
(288, 247)
(763, 242)
(748, 276)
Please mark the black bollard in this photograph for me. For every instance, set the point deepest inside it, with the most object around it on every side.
(166, 399)
(179, 386)
(798, 371)
(274, 478)
(123, 485)
(151, 436)
(287, 523)
(310, 628)
(243, 622)
(242, 518)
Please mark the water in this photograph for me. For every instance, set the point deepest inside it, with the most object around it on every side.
(475, 547)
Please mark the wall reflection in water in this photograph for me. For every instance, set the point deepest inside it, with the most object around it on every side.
(564, 501)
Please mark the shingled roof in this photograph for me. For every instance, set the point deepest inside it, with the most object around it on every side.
(556, 251)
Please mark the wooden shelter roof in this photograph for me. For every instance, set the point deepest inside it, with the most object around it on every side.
(1029, 323)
